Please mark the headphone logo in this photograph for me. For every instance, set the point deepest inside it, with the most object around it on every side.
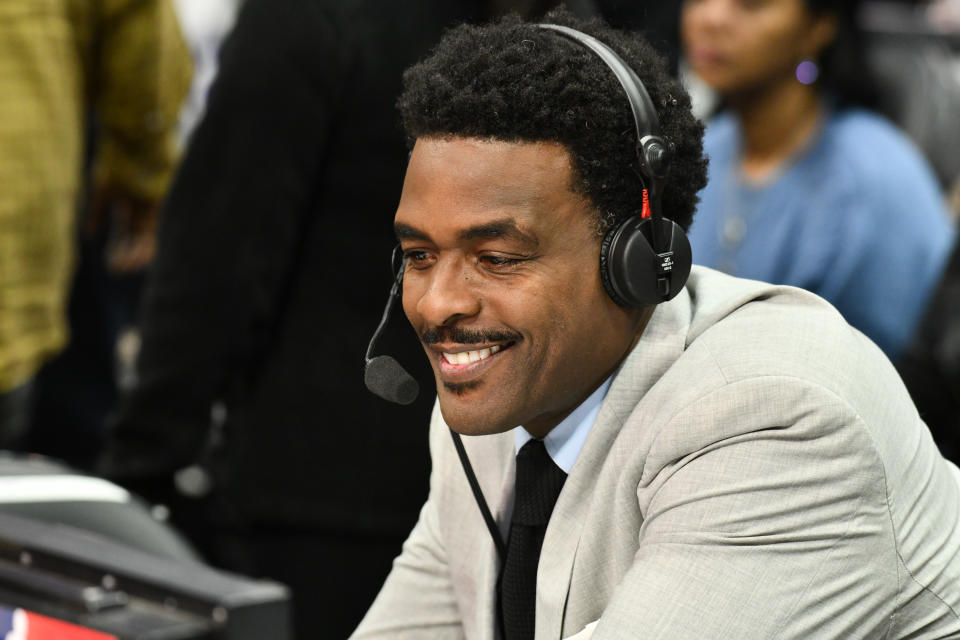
(666, 262)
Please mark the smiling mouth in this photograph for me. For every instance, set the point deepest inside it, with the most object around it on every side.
(466, 369)
(467, 357)
(463, 356)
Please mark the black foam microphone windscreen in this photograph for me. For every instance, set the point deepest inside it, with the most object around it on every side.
(385, 377)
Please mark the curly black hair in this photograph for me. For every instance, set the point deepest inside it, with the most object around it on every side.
(513, 81)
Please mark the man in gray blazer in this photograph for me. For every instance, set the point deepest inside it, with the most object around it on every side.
(735, 460)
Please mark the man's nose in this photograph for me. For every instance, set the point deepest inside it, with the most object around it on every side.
(450, 294)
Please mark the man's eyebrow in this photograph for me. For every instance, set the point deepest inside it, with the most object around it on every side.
(506, 228)
(498, 229)
(405, 232)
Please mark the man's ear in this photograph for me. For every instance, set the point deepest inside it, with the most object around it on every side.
(822, 32)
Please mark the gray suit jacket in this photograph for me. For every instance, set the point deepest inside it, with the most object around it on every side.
(757, 470)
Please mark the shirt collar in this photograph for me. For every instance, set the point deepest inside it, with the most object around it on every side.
(565, 440)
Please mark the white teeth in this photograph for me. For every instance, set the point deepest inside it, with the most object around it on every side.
(466, 357)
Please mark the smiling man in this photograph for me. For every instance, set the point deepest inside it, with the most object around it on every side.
(734, 461)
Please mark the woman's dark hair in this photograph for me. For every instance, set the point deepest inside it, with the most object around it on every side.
(514, 81)
(845, 74)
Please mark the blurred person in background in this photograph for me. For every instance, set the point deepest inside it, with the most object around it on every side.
(807, 186)
(249, 418)
(118, 68)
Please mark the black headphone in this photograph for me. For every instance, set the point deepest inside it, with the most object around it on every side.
(645, 259)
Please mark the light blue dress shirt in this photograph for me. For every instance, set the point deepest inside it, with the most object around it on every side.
(565, 440)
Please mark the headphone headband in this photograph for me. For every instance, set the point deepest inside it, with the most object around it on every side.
(653, 152)
(645, 259)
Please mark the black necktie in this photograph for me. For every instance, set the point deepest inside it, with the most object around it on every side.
(538, 484)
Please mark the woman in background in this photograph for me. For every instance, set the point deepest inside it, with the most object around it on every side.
(807, 186)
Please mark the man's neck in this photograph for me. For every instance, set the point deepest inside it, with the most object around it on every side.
(565, 441)
(777, 121)
(540, 428)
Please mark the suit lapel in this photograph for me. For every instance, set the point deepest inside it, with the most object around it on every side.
(661, 344)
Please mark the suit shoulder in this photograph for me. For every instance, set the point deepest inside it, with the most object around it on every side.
(748, 329)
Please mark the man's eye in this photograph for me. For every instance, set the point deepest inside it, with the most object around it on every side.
(500, 262)
(415, 258)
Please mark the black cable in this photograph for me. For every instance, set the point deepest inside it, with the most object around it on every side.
(478, 495)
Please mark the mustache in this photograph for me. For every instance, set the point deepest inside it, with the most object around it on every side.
(467, 336)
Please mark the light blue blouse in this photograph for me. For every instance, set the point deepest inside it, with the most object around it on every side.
(856, 217)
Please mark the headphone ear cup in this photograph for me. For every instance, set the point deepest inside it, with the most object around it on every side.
(634, 273)
(606, 268)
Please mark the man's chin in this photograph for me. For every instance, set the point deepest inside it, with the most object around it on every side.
(478, 429)
(468, 417)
